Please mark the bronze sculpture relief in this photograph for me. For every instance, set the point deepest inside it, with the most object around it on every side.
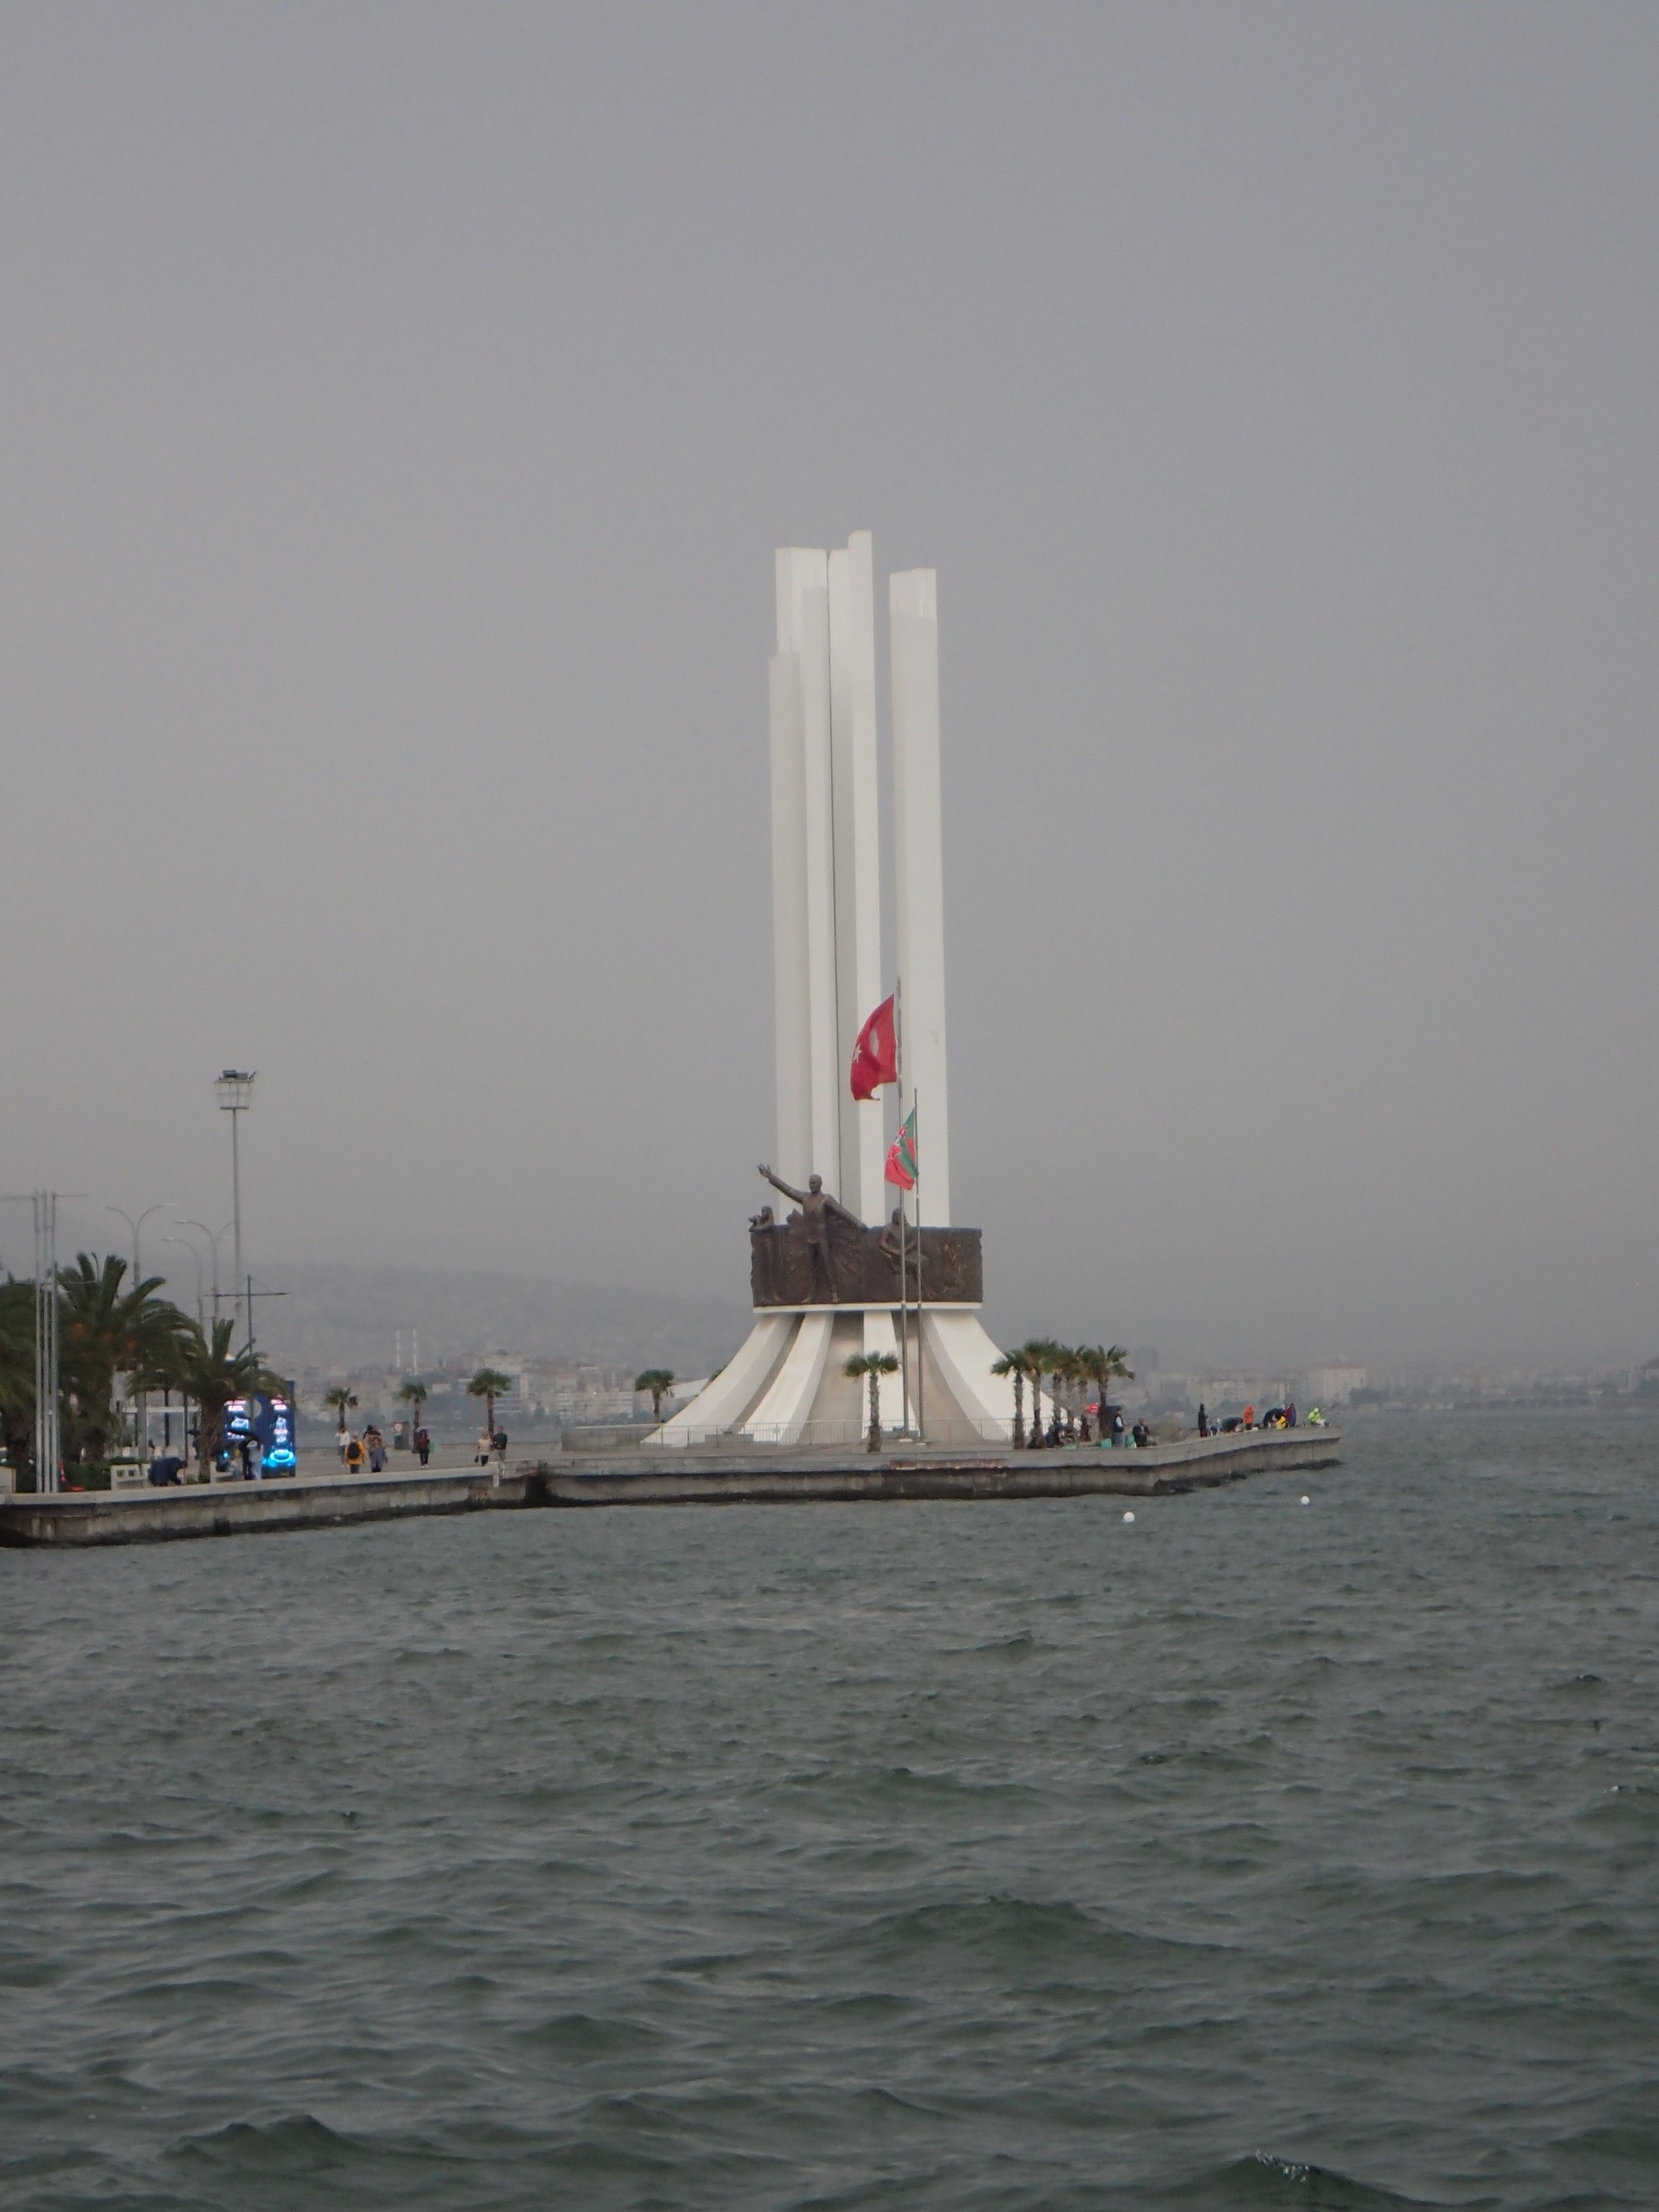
(824, 1254)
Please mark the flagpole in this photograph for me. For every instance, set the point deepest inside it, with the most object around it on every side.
(904, 1314)
(921, 1396)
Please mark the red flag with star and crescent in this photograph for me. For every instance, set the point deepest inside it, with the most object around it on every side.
(875, 1056)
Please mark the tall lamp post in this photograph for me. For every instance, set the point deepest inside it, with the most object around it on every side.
(236, 1090)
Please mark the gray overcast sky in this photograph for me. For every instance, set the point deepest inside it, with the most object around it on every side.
(401, 405)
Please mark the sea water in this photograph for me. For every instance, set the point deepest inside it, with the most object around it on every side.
(1255, 1852)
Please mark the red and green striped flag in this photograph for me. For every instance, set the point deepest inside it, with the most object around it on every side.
(902, 1155)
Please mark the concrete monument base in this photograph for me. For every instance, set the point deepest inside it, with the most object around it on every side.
(785, 1385)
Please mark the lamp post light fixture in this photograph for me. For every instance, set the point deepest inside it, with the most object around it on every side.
(235, 1091)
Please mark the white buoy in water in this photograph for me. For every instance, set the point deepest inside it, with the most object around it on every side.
(1129, 1516)
(1305, 1501)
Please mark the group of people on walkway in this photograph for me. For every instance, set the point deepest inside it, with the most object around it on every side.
(1276, 1417)
(368, 1452)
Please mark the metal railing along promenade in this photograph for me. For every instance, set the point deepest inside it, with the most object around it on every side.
(958, 1433)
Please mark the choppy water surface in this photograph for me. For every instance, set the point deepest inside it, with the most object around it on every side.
(935, 1856)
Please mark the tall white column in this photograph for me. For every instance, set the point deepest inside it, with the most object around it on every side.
(918, 874)
(802, 591)
(790, 988)
(857, 857)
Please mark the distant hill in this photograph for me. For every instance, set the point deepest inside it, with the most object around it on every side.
(350, 1316)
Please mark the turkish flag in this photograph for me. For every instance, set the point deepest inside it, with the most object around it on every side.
(897, 1172)
(875, 1056)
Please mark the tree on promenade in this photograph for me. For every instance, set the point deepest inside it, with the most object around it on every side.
(658, 1382)
(1017, 1364)
(203, 1366)
(1104, 1364)
(413, 1393)
(103, 1331)
(1041, 1353)
(875, 1365)
(489, 1384)
(340, 1401)
(17, 1371)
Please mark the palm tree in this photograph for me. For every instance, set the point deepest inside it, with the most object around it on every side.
(1017, 1364)
(658, 1381)
(103, 1331)
(17, 1369)
(203, 1366)
(489, 1384)
(875, 1365)
(340, 1401)
(1104, 1364)
(413, 1393)
(1039, 1351)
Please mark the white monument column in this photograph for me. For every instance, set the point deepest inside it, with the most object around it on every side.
(919, 877)
(790, 1012)
(858, 858)
(803, 581)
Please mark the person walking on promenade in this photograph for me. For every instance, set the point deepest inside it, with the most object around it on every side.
(498, 1443)
(422, 1444)
(341, 1438)
(376, 1444)
(354, 1454)
(481, 1456)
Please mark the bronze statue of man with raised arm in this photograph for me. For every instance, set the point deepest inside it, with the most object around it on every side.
(816, 1208)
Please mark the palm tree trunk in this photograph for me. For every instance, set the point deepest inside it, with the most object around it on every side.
(1020, 1409)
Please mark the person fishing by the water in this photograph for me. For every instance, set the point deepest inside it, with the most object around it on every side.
(1203, 1418)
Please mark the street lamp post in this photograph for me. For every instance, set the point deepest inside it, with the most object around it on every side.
(236, 1090)
(140, 1404)
(213, 1237)
(186, 1245)
(161, 1206)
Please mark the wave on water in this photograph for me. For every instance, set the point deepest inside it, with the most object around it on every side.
(1266, 2183)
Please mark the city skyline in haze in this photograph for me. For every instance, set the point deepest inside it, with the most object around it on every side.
(404, 407)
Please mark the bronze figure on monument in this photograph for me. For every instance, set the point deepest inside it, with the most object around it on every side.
(811, 1228)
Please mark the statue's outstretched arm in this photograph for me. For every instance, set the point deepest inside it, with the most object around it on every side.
(778, 1183)
(846, 1213)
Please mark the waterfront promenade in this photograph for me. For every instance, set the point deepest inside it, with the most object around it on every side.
(321, 1496)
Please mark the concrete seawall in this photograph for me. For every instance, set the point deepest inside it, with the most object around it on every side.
(767, 1477)
(756, 1476)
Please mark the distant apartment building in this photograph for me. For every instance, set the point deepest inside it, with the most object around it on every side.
(1335, 1383)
